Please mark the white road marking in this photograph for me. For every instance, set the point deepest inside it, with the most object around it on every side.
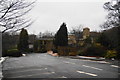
(103, 62)
(25, 76)
(97, 61)
(25, 70)
(115, 66)
(92, 67)
(52, 72)
(13, 67)
(19, 67)
(91, 74)
(68, 62)
(49, 73)
(32, 75)
(62, 77)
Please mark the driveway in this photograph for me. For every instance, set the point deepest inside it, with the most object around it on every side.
(43, 65)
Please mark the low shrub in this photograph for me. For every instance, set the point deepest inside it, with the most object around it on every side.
(4, 53)
(118, 53)
(111, 54)
(67, 51)
(13, 53)
(63, 51)
(93, 51)
(39, 47)
(42, 50)
(72, 53)
(30, 50)
(82, 52)
(55, 50)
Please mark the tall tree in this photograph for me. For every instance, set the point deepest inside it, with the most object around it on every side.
(61, 37)
(47, 34)
(103, 39)
(23, 41)
(12, 14)
(113, 17)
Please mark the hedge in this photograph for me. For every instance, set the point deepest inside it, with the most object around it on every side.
(67, 51)
(13, 53)
(93, 51)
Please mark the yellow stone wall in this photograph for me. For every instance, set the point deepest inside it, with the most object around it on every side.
(86, 33)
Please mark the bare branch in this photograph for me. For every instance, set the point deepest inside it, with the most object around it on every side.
(12, 14)
(113, 18)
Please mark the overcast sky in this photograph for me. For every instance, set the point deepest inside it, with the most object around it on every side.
(50, 14)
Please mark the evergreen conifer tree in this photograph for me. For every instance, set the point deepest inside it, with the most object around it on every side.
(23, 41)
(61, 37)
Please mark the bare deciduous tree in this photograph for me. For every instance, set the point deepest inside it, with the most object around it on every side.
(46, 34)
(113, 17)
(12, 14)
(77, 31)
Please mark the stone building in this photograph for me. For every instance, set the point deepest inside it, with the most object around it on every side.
(31, 40)
(86, 33)
(71, 39)
(48, 42)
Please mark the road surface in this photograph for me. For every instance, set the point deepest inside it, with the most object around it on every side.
(47, 66)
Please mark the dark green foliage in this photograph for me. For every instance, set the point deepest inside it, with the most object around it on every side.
(42, 48)
(39, 46)
(61, 37)
(118, 47)
(111, 39)
(88, 40)
(111, 54)
(118, 52)
(4, 51)
(23, 41)
(55, 50)
(35, 48)
(67, 51)
(63, 51)
(8, 42)
(30, 50)
(93, 51)
(13, 53)
(103, 39)
(113, 20)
